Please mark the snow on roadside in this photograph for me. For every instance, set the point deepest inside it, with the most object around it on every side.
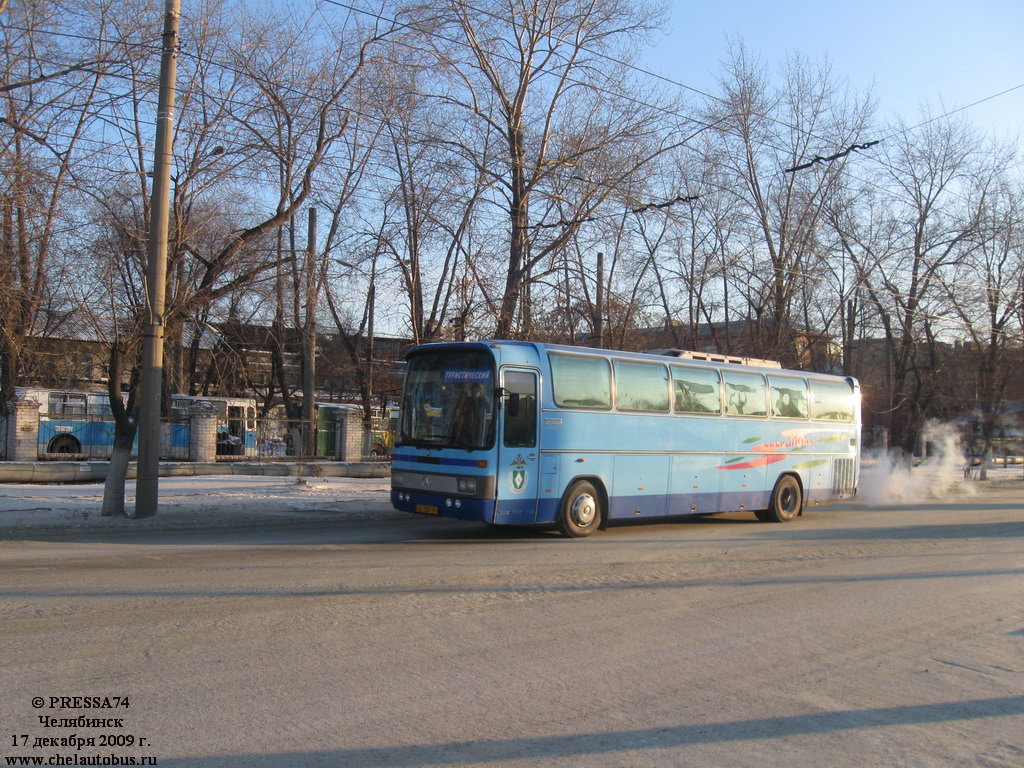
(211, 499)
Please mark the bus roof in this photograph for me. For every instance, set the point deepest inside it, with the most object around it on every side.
(712, 359)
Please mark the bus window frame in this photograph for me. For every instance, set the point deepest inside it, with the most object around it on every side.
(64, 396)
(538, 384)
(701, 414)
(851, 393)
(807, 398)
(611, 382)
(725, 400)
(615, 361)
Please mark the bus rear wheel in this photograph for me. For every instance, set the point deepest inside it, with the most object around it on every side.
(580, 514)
(64, 444)
(786, 501)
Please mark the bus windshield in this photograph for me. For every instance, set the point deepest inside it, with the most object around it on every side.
(449, 400)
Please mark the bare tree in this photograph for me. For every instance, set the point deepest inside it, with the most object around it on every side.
(768, 136)
(985, 293)
(694, 281)
(920, 218)
(264, 94)
(52, 85)
(544, 78)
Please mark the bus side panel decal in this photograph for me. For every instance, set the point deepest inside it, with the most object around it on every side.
(760, 461)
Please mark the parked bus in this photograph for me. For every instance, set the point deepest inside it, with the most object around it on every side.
(236, 422)
(80, 423)
(520, 433)
(72, 422)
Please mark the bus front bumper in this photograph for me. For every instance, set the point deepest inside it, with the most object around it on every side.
(443, 506)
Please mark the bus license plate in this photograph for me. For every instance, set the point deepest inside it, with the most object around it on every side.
(426, 509)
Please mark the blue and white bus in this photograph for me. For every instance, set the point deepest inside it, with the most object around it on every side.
(80, 424)
(72, 422)
(236, 422)
(521, 433)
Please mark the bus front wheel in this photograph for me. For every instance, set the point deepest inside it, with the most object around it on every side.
(786, 501)
(581, 510)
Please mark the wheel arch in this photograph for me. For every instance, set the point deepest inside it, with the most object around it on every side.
(62, 439)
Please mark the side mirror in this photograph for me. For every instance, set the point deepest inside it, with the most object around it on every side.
(512, 401)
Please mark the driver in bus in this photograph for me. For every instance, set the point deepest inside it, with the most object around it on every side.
(469, 416)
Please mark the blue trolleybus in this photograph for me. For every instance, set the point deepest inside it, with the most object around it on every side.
(519, 433)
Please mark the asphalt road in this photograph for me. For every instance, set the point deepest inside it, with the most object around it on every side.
(850, 637)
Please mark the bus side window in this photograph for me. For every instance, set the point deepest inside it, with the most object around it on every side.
(641, 387)
(832, 401)
(521, 422)
(745, 394)
(581, 382)
(789, 397)
(99, 407)
(697, 390)
(67, 405)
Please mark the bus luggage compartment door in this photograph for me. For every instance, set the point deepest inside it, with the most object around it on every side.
(640, 486)
(695, 484)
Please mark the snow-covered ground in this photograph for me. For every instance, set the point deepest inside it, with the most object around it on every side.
(212, 500)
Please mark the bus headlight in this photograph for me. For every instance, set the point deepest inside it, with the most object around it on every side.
(467, 485)
(397, 478)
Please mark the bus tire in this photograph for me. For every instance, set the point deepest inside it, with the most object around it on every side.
(786, 501)
(64, 444)
(581, 512)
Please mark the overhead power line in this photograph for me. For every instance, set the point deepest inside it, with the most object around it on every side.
(830, 158)
(641, 209)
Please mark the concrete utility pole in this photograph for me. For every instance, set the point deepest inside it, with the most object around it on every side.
(309, 342)
(146, 489)
(368, 420)
(599, 319)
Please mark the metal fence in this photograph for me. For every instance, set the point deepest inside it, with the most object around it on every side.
(279, 438)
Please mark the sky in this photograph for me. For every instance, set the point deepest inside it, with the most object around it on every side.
(943, 53)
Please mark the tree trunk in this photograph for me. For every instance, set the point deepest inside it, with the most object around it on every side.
(113, 486)
(125, 424)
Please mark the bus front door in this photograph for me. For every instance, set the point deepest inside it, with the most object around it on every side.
(518, 457)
